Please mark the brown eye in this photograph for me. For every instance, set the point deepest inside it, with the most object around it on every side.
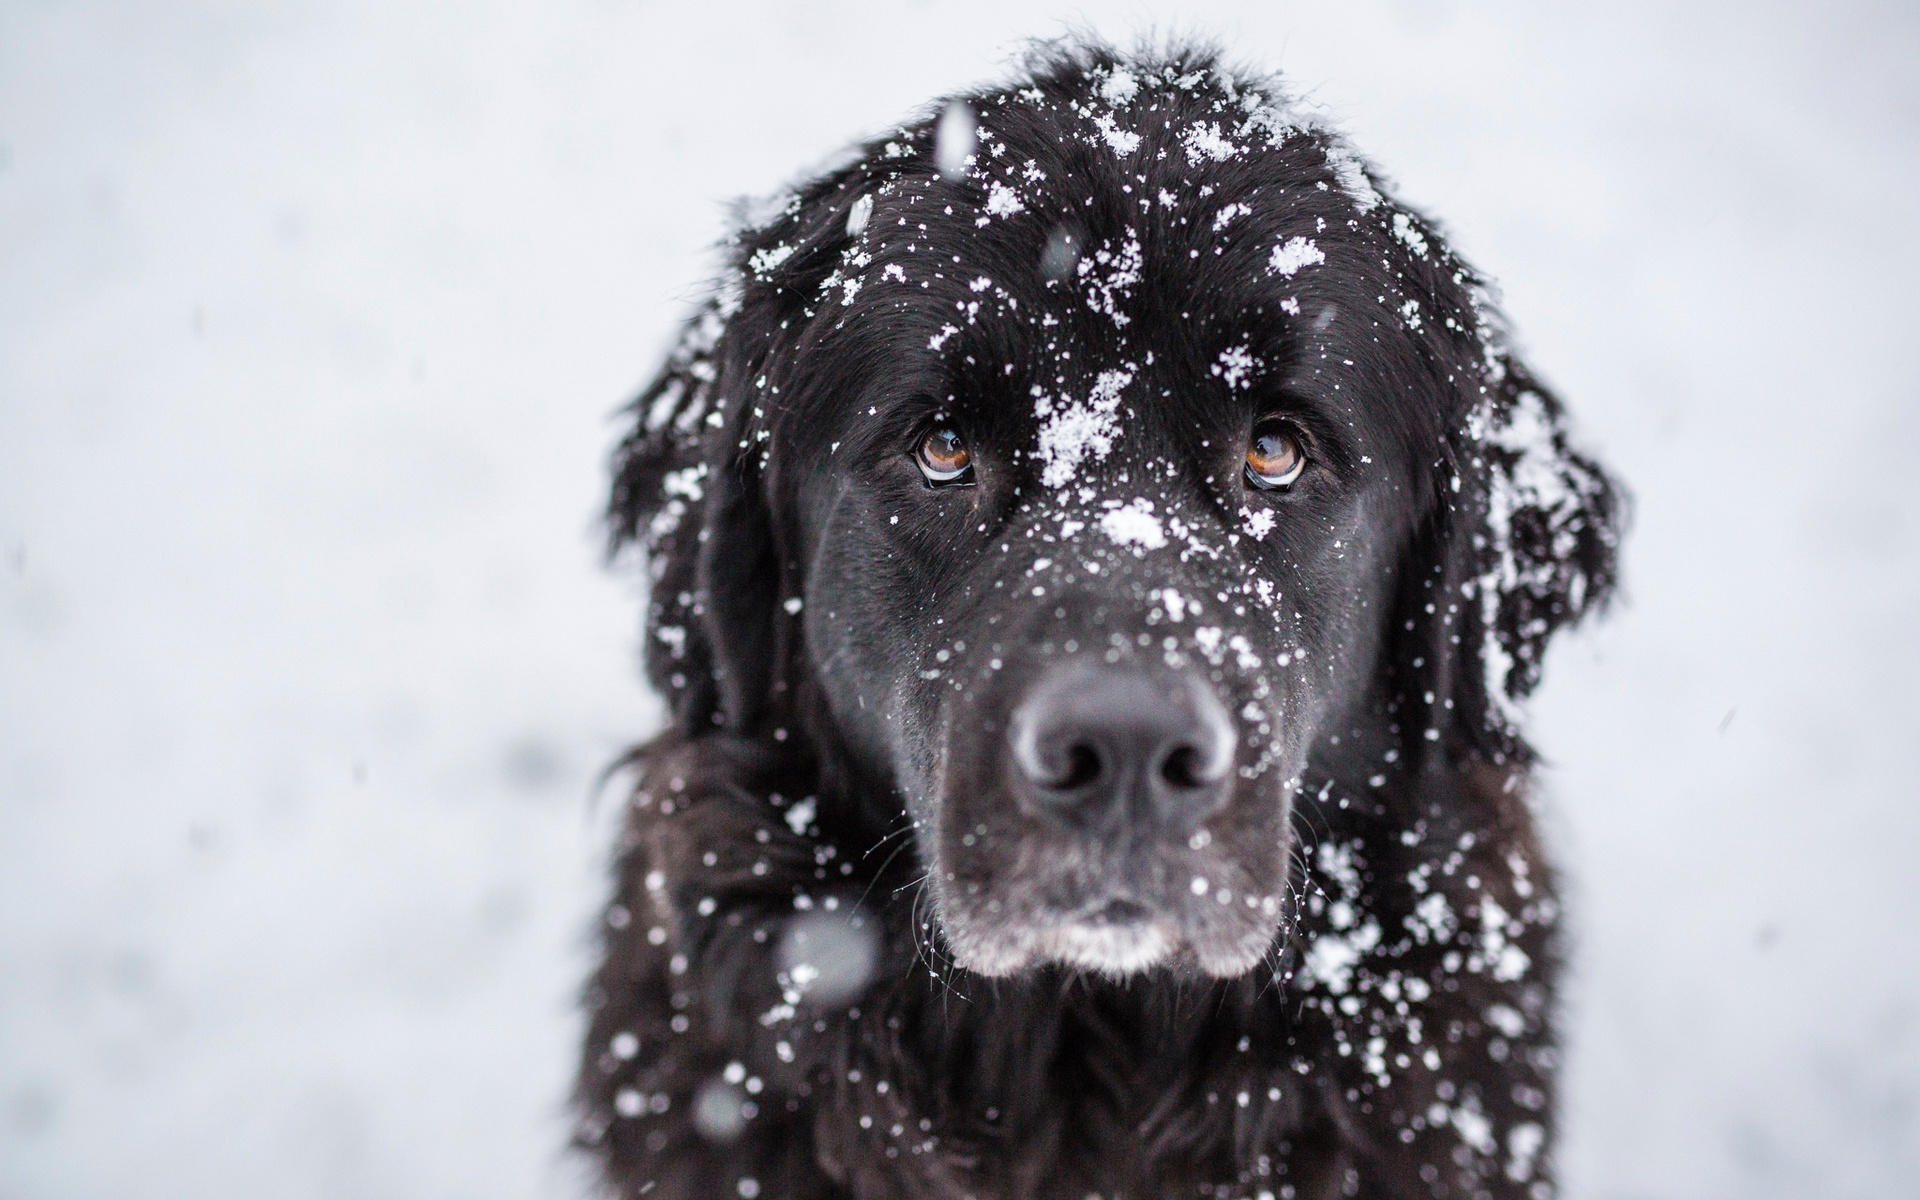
(1274, 456)
(943, 457)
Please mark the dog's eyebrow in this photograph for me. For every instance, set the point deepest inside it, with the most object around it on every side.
(877, 392)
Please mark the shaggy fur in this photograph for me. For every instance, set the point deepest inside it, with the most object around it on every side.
(1350, 986)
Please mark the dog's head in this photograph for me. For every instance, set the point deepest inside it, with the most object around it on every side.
(1077, 465)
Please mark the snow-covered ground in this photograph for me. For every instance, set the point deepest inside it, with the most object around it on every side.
(312, 317)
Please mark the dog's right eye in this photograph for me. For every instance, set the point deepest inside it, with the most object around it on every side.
(944, 458)
(1275, 458)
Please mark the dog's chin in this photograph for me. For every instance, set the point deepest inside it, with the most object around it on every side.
(1111, 949)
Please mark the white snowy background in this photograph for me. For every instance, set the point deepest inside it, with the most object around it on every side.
(312, 319)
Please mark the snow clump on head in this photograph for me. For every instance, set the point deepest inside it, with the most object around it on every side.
(1071, 432)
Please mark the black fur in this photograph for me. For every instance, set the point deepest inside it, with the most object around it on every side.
(833, 747)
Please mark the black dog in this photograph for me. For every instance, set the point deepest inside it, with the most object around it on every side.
(1097, 541)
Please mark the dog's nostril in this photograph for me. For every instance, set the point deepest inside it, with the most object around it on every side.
(1083, 767)
(1183, 768)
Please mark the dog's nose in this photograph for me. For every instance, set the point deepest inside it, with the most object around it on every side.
(1103, 749)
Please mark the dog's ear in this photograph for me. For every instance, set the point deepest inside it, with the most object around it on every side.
(1522, 542)
(690, 476)
(657, 504)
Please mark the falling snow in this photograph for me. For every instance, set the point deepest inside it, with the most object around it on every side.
(953, 142)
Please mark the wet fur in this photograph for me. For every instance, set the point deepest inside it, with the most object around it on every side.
(939, 1083)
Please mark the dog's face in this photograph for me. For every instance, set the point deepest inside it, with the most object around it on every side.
(1105, 466)
(1095, 558)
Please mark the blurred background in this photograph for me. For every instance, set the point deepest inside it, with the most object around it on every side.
(312, 321)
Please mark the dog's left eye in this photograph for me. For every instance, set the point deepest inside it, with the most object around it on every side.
(944, 458)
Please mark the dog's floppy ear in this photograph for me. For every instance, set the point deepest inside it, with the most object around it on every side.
(690, 475)
(1522, 543)
(659, 503)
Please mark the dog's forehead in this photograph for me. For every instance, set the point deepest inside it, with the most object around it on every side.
(1059, 221)
(1103, 239)
(1117, 170)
